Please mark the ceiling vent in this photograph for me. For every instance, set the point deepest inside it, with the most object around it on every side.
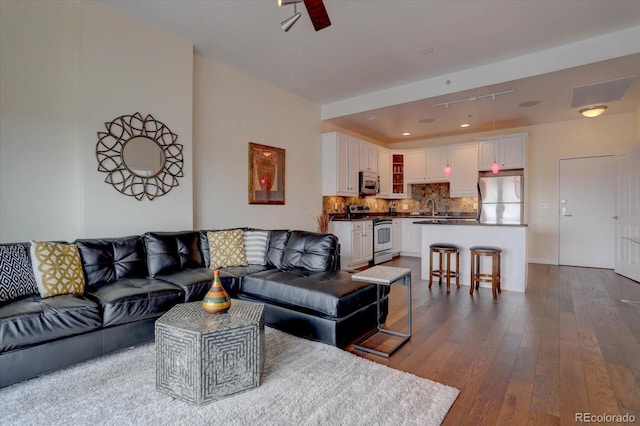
(601, 93)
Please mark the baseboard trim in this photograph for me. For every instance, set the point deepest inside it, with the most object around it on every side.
(543, 261)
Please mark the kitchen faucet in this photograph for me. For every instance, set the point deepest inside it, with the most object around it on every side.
(433, 204)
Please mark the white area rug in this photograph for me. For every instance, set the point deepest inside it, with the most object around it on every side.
(304, 383)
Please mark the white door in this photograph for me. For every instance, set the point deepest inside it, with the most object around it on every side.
(587, 210)
(628, 211)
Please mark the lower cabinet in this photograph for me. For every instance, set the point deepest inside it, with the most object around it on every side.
(356, 242)
(410, 245)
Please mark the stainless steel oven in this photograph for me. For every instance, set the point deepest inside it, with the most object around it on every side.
(382, 229)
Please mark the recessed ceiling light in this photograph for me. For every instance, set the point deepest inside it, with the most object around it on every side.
(426, 120)
(371, 117)
(528, 104)
(406, 134)
(464, 125)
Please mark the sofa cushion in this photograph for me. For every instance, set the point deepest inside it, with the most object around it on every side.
(194, 282)
(32, 320)
(16, 273)
(333, 294)
(226, 248)
(133, 299)
(168, 252)
(107, 260)
(310, 251)
(277, 243)
(255, 246)
(57, 268)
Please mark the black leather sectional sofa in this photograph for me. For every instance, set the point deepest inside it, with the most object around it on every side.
(131, 281)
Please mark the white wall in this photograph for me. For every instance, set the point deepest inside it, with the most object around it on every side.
(547, 144)
(69, 67)
(231, 110)
(39, 175)
(128, 67)
(66, 69)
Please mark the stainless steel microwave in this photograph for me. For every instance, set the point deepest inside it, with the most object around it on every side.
(369, 183)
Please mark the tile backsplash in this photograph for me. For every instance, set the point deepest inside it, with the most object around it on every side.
(418, 196)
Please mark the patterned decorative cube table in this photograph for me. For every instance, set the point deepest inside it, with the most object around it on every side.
(201, 358)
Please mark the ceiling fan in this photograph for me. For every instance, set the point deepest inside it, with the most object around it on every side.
(316, 10)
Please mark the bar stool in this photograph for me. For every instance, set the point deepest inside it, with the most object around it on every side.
(444, 271)
(477, 252)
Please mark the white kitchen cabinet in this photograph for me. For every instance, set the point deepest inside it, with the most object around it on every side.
(368, 157)
(384, 171)
(464, 177)
(398, 187)
(437, 160)
(410, 244)
(340, 164)
(356, 242)
(396, 237)
(415, 166)
(507, 150)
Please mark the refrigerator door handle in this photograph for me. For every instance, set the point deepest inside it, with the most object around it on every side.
(479, 202)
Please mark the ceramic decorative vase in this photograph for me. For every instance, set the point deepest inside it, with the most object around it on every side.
(216, 301)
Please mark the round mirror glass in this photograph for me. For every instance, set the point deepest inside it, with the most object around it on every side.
(142, 156)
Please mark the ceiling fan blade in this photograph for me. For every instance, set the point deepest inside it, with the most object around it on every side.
(317, 13)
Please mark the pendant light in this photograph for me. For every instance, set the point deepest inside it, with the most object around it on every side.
(447, 168)
(495, 167)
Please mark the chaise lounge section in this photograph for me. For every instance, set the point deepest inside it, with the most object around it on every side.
(130, 282)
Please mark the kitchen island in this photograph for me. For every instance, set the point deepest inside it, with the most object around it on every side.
(512, 239)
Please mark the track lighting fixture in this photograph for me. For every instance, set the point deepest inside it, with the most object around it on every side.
(288, 23)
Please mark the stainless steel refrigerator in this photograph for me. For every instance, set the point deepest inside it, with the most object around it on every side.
(501, 197)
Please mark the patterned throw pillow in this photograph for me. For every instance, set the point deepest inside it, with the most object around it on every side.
(255, 246)
(57, 268)
(16, 275)
(226, 249)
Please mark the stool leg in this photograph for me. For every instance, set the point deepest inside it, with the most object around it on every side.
(499, 274)
(448, 272)
(457, 269)
(440, 268)
(494, 276)
(472, 277)
(477, 277)
(430, 268)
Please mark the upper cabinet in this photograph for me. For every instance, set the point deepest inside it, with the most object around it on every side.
(507, 150)
(368, 157)
(340, 164)
(384, 171)
(415, 166)
(397, 175)
(464, 176)
(437, 160)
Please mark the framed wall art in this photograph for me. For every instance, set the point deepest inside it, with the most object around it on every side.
(266, 174)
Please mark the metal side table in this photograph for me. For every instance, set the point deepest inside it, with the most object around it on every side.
(385, 276)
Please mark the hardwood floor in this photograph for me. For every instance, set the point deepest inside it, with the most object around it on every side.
(570, 344)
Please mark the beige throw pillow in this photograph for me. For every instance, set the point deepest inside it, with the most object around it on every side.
(226, 249)
(57, 268)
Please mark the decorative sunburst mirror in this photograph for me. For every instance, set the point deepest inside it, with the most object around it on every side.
(140, 156)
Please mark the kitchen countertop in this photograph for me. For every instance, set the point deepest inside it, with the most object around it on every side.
(443, 217)
(473, 222)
